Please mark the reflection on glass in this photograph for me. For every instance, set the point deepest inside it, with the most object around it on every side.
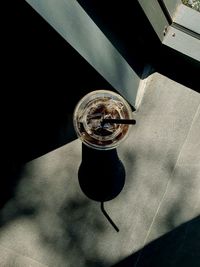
(195, 4)
(90, 117)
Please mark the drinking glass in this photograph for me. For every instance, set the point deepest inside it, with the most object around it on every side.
(91, 119)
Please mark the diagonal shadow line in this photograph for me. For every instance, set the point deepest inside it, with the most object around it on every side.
(163, 250)
(89, 41)
(167, 187)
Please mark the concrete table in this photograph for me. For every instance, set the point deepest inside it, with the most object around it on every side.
(50, 222)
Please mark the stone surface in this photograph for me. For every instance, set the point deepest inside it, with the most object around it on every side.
(51, 221)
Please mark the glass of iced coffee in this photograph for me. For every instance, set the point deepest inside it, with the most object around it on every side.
(101, 119)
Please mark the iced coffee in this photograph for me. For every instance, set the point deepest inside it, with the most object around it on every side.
(91, 115)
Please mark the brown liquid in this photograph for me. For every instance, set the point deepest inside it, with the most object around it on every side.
(91, 129)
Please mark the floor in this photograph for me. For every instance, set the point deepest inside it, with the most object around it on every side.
(50, 222)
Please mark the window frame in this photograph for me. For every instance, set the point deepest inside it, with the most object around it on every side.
(72, 22)
(177, 32)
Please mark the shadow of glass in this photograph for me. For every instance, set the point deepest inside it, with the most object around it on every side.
(101, 174)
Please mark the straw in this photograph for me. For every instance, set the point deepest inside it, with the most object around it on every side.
(118, 121)
(108, 217)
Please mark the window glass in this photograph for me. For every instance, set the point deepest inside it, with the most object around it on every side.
(195, 4)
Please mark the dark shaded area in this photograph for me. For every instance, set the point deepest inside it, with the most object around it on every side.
(126, 26)
(178, 67)
(43, 78)
(180, 247)
(10, 174)
(101, 174)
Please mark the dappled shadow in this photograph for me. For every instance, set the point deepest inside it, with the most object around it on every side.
(47, 215)
(56, 224)
(175, 241)
(51, 219)
(60, 226)
(168, 189)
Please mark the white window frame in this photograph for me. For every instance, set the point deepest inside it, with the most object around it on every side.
(179, 25)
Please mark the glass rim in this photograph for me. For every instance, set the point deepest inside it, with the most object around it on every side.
(94, 94)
